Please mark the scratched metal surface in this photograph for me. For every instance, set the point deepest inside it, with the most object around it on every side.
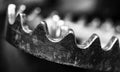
(66, 51)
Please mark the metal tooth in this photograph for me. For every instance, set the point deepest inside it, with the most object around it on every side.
(90, 55)
(92, 48)
(41, 32)
(113, 44)
(70, 36)
(111, 56)
(41, 28)
(11, 13)
(93, 40)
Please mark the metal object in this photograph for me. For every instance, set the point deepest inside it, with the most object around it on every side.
(89, 55)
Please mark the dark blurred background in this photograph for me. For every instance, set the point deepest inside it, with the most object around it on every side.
(15, 60)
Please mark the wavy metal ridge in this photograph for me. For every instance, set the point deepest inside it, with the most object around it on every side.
(89, 55)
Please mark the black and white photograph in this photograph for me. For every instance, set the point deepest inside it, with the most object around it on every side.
(59, 35)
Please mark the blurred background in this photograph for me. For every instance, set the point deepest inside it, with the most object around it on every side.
(15, 60)
(90, 8)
